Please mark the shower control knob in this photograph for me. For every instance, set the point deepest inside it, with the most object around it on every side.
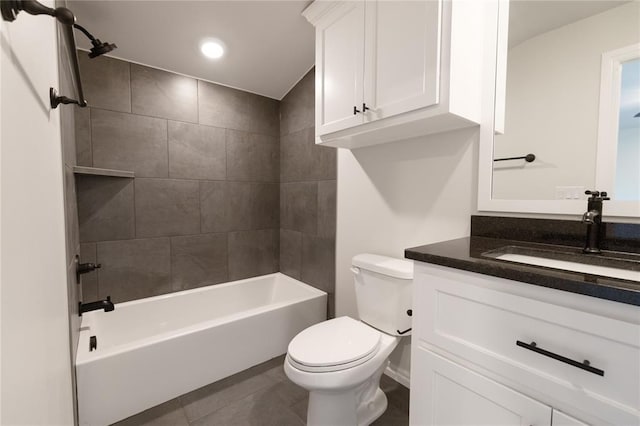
(410, 312)
(84, 268)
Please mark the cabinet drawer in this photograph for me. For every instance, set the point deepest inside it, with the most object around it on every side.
(445, 393)
(483, 326)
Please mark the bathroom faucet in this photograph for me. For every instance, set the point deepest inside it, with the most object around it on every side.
(593, 219)
(107, 305)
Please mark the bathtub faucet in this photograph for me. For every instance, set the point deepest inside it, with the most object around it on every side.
(107, 305)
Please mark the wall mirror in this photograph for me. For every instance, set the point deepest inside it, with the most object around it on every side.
(568, 92)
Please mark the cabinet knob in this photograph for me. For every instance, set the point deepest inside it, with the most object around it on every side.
(355, 110)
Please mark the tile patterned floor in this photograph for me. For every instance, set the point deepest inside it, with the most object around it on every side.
(259, 396)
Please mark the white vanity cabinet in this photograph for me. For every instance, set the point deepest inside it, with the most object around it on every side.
(446, 393)
(390, 70)
(487, 350)
(561, 419)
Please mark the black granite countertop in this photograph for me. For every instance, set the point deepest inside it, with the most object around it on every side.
(467, 254)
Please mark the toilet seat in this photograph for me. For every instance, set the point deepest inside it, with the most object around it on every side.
(333, 345)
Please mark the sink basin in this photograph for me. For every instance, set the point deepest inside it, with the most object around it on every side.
(624, 266)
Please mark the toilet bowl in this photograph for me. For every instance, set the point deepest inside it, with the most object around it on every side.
(340, 361)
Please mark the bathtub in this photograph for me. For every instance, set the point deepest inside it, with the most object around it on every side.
(155, 349)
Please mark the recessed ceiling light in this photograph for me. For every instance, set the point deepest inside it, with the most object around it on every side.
(212, 49)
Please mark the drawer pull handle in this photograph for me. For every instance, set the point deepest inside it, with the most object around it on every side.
(585, 365)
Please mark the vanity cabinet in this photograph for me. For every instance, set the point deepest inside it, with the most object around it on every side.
(390, 70)
(561, 419)
(517, 354)
(460, 396)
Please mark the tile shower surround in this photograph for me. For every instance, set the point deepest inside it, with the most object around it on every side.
(206, 204)
(307, 193)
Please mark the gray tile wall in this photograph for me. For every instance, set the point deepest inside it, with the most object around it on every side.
(204, 205)
(228, 184)
(307, 194)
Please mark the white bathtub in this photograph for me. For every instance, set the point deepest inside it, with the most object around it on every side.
(152, 350)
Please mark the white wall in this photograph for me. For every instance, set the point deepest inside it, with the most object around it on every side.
(400, 195)
(36, 362)
(552, 101)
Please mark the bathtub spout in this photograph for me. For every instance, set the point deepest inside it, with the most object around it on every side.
(107, 305)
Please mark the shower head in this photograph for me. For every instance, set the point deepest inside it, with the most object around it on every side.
(100, 48)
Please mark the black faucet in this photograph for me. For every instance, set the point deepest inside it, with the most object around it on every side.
(593, 219)
(107, 305)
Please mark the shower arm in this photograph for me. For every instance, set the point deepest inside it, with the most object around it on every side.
(11, 8)
(85, 32)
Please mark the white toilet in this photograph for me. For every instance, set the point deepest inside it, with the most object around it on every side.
(340, 361)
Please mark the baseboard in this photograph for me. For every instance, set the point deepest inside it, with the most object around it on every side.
(399, 377)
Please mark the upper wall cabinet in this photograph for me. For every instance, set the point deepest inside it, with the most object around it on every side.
(391, 70)
(340, 62)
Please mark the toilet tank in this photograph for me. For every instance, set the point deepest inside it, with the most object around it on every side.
(383, 292)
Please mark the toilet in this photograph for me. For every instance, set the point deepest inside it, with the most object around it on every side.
(340, 361)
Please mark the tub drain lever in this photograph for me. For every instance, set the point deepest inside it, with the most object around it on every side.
(93, 343)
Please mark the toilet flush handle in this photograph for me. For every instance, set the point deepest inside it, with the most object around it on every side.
(356, 271)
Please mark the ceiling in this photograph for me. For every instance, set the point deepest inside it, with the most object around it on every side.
(269, 45)
(529, 18)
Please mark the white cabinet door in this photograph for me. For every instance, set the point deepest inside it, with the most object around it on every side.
(575, 327)
(562, 419)
(340, 63)
(445, 393)
(402, 56)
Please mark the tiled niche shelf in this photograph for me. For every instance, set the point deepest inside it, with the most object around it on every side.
(95, 171)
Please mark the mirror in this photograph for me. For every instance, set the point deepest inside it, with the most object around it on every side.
(572, 99)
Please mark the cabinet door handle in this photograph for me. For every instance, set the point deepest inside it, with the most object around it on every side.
(365, 108)
(585, 365)
(355, 110)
